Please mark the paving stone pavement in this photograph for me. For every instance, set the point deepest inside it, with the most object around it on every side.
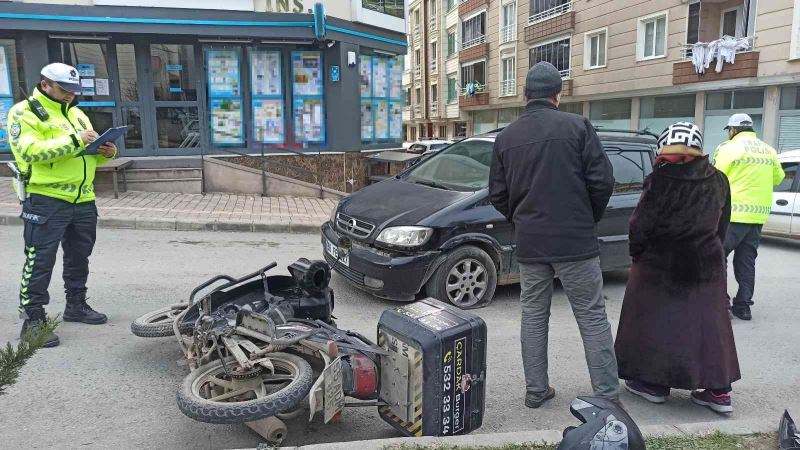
(189, 212)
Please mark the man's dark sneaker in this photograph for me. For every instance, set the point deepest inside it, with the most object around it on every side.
(532, 402)
(82, 312)
(718, 403)
(742, 312)
(649, 393)
(34, 322)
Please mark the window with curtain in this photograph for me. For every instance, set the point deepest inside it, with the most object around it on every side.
(652, 41)
(473, 30)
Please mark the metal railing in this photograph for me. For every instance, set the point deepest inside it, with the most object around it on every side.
(418, 71)
(262, 163)
(550, 13)
(566, 74)
(434, 66)
(687, 50)
(508, 33)
(479, 89)
(508, 88)
(473, 42)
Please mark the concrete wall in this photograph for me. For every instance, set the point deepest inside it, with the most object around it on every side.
(222, 176)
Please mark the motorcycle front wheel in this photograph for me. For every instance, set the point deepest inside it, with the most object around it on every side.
(158, 323)
(220, 392)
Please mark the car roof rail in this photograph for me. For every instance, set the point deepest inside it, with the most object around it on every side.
(645, 132)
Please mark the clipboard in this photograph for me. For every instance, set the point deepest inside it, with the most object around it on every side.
(110, 135)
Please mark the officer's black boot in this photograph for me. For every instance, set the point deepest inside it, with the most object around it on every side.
(35, 321)
(78, 310)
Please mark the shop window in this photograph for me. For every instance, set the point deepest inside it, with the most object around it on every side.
(132, 117)
(657, 113)
(507, 116)
(100, 118)
(614, 114)
(90, 60)
(225, 97)
(11, 87)
(460, 129)
(574, 108)
(443, 131)
(126, 68)
(483, 121)
(789, 119)
(721, 105)
(308, 108)
(172, 70)
(266, 89)
(178, 127)
(381, 88)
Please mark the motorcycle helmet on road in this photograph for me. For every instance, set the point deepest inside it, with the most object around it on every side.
(606, 426)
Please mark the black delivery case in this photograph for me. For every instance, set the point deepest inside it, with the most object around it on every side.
(433, 379)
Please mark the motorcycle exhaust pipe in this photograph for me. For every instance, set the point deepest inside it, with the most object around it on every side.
(312, 276)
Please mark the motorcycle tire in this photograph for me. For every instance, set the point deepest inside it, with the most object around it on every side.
(152, 324)
(285, 400)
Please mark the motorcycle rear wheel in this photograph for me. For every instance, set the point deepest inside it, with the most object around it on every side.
(209, 394)
(158, 323)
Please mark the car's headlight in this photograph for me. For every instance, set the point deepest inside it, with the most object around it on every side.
(405, 236)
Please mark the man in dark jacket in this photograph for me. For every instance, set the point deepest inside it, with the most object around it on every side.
(552, 179)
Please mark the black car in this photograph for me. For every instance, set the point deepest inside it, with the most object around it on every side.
(432, 227)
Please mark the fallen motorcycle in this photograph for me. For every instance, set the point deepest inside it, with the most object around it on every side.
(268, 349)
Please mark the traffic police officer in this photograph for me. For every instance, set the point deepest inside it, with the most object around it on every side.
(752, 167)
(48, 136)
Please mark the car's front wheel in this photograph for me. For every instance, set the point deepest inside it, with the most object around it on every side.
(467, 278)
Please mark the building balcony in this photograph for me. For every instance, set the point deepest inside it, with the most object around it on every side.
(473, 42)
(467, 6)
(508, 88)
(551, 22)
(478, 98)
(745, 65)
(474, 52)
(508, 33)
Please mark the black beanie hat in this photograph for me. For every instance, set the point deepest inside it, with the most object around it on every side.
(543, 81)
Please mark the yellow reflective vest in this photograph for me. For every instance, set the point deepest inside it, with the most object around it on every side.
(51, 151)
(753, 169)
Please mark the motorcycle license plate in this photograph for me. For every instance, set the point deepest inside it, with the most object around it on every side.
(334, 394)
(337, 253)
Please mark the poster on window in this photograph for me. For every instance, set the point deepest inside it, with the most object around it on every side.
(381, 119)
(5, 74)
(223, 73)
(365, 72)
(266, 73)
(174, 76)
(309, 120)
(380, 77)
(268, 120)
(395, 120)
(396, 78)
(307, 73)
(5, 106)
(367, 120)
(226, 121)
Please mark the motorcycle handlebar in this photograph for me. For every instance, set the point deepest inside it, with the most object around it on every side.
(230, 281)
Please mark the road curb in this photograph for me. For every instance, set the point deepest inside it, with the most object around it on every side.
(735, 427)
(172, 224)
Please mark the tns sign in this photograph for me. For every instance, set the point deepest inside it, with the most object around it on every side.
(286, 6)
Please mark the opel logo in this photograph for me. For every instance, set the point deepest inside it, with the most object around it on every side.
(352, 225)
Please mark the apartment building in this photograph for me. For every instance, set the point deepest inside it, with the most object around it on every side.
(629, 64)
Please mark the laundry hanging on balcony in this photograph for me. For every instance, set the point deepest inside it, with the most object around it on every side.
(723, 50)
(472, 89)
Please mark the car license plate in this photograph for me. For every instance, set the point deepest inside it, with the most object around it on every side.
(334, 393)
(337, 253)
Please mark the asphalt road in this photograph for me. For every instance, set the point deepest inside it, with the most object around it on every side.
(105, 388)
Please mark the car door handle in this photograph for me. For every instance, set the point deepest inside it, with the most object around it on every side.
(782, 202)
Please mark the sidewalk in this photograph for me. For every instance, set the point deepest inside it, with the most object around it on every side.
(193, 212)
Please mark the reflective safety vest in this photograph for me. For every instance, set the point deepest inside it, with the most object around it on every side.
(51, 151)
(753, 169)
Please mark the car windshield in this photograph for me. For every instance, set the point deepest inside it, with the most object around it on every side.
(419, 148)
(463, 166)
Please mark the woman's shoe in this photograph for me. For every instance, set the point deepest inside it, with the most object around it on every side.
(718, 403)
(646, 392)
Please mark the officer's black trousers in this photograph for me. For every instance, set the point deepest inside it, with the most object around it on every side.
(48, 222)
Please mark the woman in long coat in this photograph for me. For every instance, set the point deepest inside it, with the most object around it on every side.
(675, 331)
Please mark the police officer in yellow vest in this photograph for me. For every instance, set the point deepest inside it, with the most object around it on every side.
(49, 136)
(753, 170)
